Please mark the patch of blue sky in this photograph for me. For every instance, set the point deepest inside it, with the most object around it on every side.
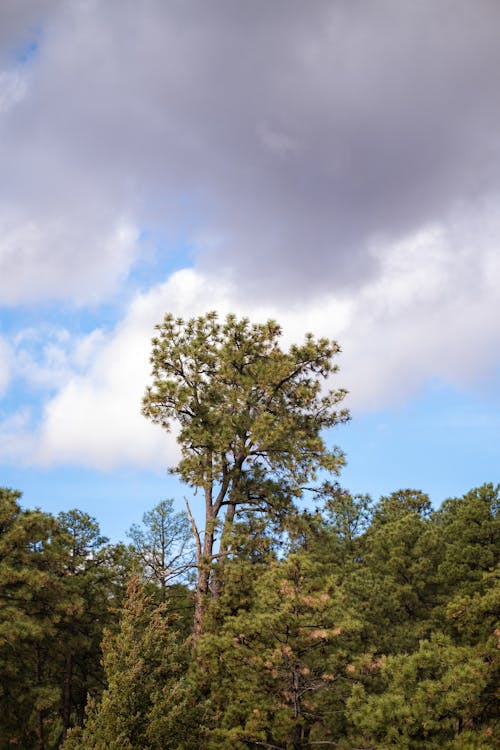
(42, 339)
(161, 255)
(17, 396)
(28, 50)
(445, 442)
(32, 328)
(116, 499)
(76, 319)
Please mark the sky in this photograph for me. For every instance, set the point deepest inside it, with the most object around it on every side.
(334, 165)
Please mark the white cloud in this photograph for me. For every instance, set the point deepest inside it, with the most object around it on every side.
(397, 332)
(431, 314)
(46, 357)
(13, 89)
(285, 142)
(48, 258)
(95, 418)
(291, 134)
(5, 365)
(18, 443)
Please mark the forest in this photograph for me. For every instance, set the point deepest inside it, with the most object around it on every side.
(281, 611)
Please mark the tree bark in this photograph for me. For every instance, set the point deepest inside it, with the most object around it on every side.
(204, 566)
(298, 732)
(68, 677)
(216, 583)
(39, 712)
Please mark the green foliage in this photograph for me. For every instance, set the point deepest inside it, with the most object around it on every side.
(251, 419)
(358, 625)
(470, 532)
(96, 573)
(339, 534)
(141, 661)
(271, 663)
(35, 606)
(239, 398)
(365, 626)
(436, 697)
(58, 585)
(394, 579)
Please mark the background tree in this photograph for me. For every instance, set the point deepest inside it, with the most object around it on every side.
(395, 580)
(59, 586)
(251, 420)
(341, 522)
(35, 605)
(93, 575)
(164, 545)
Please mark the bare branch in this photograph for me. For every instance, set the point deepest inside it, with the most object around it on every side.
(195, 531)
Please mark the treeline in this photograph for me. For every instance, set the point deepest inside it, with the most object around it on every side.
(62, 586)
(359, 625)
(356, 625)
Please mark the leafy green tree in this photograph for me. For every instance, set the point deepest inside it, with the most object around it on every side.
(251, 419)
(341, 523)
(275, 668)
(431, 598)
(270, 663)
(59, 584)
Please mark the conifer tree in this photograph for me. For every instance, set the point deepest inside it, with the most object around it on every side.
(35, 604)
(88, 576)
(470, 531)
(395, 583)
(58, 585)
(440, 697)
(164, 545)
(251, 420)
(141, 662)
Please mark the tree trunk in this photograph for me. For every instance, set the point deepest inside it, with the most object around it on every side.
(68, 677)
(82, 702)
(39, 712)
(203, 583)
(216, 583)
(298, 732)
(226, 529)
(200, 602)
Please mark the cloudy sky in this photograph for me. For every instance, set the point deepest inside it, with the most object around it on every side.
(333, 164)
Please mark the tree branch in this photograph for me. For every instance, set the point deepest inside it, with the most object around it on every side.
(196, 533)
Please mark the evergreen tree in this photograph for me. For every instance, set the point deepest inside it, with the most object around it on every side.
(276, 643)
(396, 583)
(251, 418)
(89, 576)
(469, 527)
(436, 698)
(163, 545)
(141, 660)
(59, 583)
(35, 605)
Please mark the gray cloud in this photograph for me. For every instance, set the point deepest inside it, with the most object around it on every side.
(21, 22)
(284, 138)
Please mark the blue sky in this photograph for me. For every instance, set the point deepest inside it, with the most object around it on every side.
(335, 167)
